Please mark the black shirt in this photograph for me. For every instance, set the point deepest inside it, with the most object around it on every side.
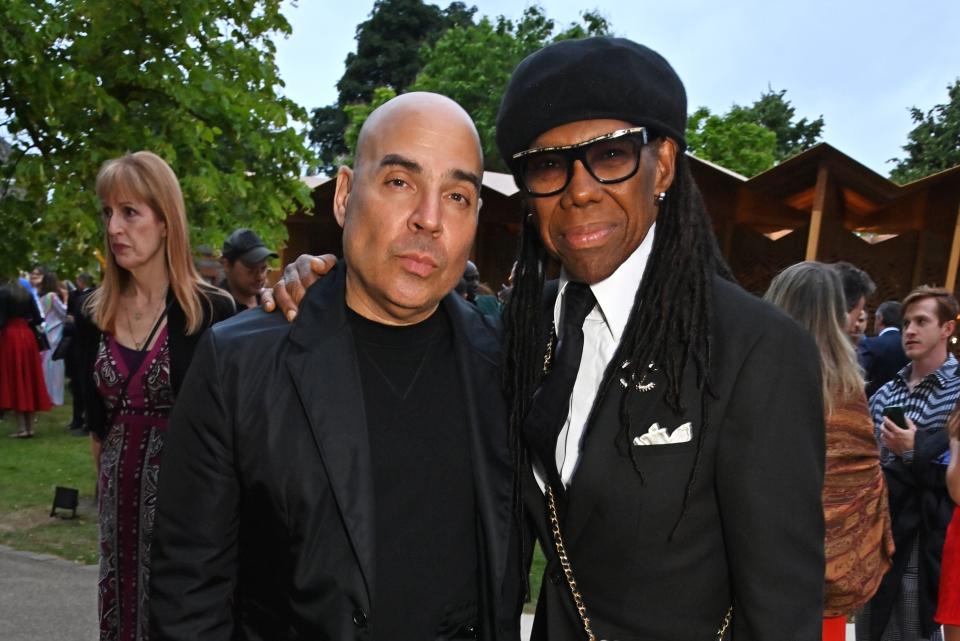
(425, 523)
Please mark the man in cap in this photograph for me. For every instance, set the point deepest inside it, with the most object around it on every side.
(677, 449)
(674, 450)
(244, 259)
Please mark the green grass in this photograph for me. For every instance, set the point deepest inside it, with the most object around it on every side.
(536, 578)
(29, 471)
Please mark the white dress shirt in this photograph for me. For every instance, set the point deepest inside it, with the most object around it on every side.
(602, 331)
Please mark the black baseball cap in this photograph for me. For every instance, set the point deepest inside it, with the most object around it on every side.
(245, 245)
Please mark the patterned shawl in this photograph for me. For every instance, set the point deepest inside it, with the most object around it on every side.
(859, 542)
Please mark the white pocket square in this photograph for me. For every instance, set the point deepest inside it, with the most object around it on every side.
(656, 435)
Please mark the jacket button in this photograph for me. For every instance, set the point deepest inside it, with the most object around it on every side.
(359, 618)
(556, 577)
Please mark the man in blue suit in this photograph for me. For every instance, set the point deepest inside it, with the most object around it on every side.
(882, 356)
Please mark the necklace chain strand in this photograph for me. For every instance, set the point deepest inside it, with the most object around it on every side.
(139, 315)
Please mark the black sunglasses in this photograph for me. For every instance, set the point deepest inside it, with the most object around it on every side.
(610, 158)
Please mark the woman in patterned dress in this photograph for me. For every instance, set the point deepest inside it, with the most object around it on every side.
(136, 338)
(859, 542)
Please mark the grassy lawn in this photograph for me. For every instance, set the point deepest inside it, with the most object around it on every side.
(29, 471)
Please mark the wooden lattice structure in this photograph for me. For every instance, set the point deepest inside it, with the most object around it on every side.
(823, 205)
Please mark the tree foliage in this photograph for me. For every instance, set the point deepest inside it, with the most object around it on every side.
(473, 64)
(775, 112)
(83, 81)
(934, 143)
(734, 141)
(749, 140)
(389, 43)
(357, 114)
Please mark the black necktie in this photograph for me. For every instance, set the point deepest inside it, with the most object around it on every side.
(551, 402)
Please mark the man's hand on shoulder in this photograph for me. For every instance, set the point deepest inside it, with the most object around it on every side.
(298, 276)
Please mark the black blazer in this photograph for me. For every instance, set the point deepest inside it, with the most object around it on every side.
(881, 357)
(218, 306)
(264, 527)
(919, 505)
(752, 536)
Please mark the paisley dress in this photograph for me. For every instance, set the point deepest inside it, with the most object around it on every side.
(129, 466)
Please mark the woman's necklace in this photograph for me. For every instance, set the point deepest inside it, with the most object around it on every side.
(138, 316)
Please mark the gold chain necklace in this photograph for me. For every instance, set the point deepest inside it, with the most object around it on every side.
(139, 315)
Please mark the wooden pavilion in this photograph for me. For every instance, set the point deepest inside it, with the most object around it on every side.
(823, 205)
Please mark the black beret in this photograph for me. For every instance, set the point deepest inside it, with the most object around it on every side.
(588, 79)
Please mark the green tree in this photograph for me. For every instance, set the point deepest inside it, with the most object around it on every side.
(357, 114)
(82, 81)
(734, 141)
(473, 64)
(934, 143)
(389, 43)
(327, 126)
(749, 140)
(775, 112)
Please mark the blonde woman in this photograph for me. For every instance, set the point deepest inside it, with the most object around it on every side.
(859, 542)
(136, 339)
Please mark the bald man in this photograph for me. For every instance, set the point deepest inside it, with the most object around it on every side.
(347, 476)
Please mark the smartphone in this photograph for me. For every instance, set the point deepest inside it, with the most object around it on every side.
(895, 414)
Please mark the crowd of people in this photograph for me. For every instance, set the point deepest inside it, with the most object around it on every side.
(378, 460)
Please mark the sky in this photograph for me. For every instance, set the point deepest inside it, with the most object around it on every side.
(860, 64)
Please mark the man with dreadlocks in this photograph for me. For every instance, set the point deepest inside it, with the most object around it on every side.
(663, 438)
(677, 449)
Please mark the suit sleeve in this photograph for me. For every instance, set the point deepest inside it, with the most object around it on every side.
(195, 545)
(928, 447)
(770, 481)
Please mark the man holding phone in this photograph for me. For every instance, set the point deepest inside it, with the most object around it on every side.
(910, 414)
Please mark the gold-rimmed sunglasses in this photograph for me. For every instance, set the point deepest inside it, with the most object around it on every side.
(610, 158)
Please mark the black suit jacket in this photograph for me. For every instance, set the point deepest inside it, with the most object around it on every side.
(752, 536)
(265, 522)
(881, 357)
(920, 505)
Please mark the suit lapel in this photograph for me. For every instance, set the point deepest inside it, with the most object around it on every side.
(323, 366)
(603, 429)
(477, 350)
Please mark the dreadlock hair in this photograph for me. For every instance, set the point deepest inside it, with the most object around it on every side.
(669, 323)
